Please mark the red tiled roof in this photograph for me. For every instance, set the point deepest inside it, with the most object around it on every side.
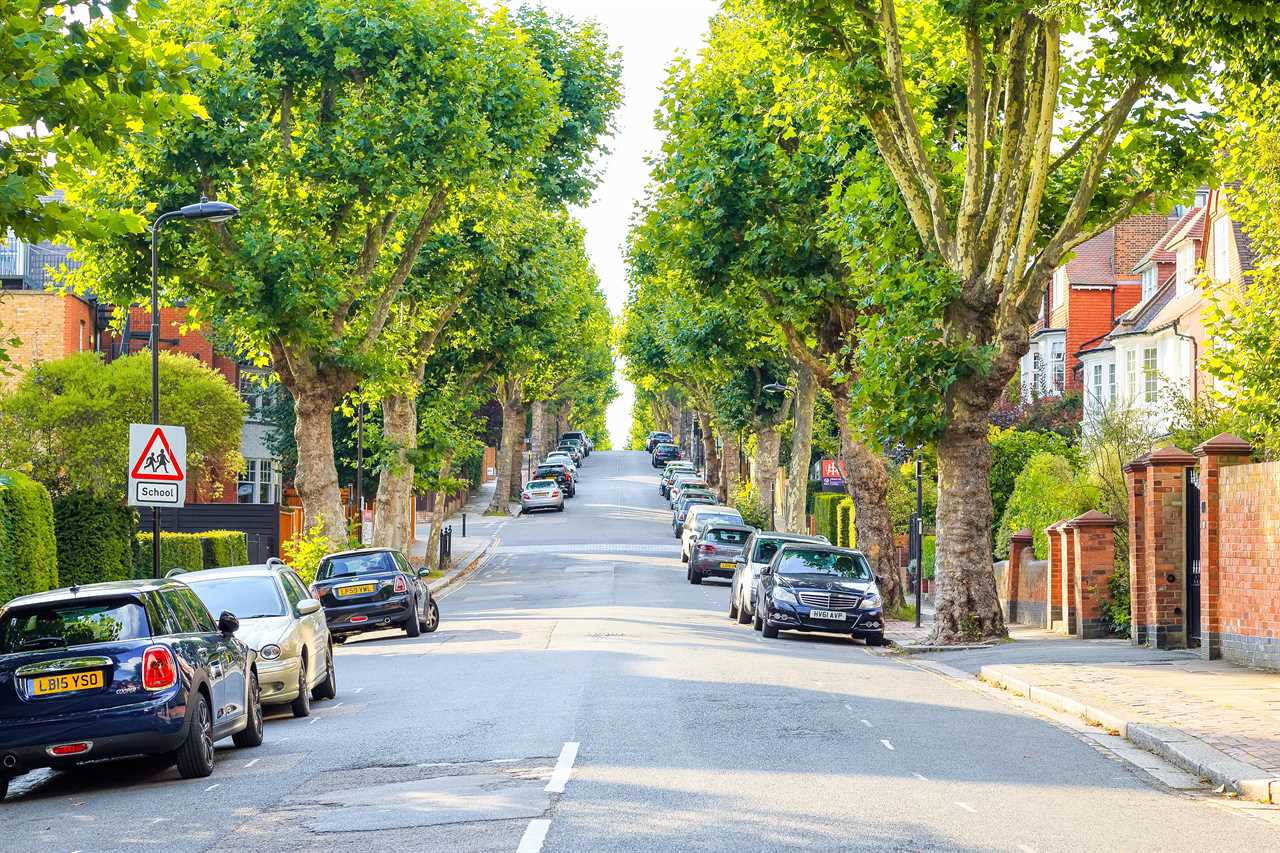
(1093, 261)
(1160, 252)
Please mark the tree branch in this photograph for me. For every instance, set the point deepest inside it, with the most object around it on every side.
(975, 147)
(408, 257)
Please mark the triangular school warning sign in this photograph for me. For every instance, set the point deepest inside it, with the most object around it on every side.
(157, 461)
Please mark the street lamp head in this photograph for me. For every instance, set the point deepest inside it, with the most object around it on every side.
(775, 388)
(209, 211)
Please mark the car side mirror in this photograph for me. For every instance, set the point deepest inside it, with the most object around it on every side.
(424, 572)
(741, 561)
(766, 571)
(307, 606)
(228, 624)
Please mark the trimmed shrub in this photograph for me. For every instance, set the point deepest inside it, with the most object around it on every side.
(824, 513)
(1047, 491)
(846, 536)
(811, 488)
(930, 556)
(177, 551)
(30, 563)
(225, 548)
(95, 539)
(304, 553)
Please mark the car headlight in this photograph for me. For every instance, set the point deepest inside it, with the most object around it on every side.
(784, 595)
(871, 602)
(269, 652)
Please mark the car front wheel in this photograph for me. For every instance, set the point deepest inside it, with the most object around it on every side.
(765, 628)
(327, 689)
(413, 627)
(743, 616)
(195, 757)
(251, 734)
(4, 787)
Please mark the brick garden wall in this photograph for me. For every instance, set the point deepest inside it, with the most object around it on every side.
(1022, 592)
(1249, 564)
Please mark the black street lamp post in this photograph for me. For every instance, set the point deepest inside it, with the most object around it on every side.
(206, 211)
(917, 531)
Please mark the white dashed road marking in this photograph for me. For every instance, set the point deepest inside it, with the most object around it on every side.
(970, 809)
(887, 745)
(921, 778)
(1025, 849)
(866, 723)
(251, 763)
(534, 834)
(564, 768)
(211, 787)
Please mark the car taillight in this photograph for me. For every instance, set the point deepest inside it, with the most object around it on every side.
(159, 671)
(705, 548)
(525, 495)
(555, 494)
(70, 748)
(399, 585)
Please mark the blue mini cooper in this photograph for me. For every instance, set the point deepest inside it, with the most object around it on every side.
(121, 669)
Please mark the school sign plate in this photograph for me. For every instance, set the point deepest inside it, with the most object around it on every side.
(157, 465)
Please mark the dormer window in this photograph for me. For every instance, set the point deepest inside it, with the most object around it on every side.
(1222, 250)
(1150, 281)
(1186, 266)
(1059, 294)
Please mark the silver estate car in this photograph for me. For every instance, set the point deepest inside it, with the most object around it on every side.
(541, 494)
(280, 619)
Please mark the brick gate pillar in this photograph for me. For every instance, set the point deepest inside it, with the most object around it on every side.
(1095, 562)
(1135, 473)
(1067, 579)
(1018, 543)
(1053, 616)
(1166, 552)
(1215, 454)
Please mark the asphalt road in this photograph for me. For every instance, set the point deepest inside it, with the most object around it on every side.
(582, 696)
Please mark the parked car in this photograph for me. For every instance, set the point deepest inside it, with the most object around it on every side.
(369, 589)
(697, 520)
(756, 554)
(560, 473)
(810, 587)
(563, 458)
(666, 452)
(579, 434)
(669, 472)
(690, 498)
(685, 481)
(573, 449)
(541, 494)
(718, 548)
(121, 669)
(282, 622)
(656, 438)
(577, 444)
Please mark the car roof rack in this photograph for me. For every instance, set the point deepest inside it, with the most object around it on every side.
(276, 561)
(175, 571)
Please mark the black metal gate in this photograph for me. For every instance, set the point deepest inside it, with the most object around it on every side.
(1193, 557)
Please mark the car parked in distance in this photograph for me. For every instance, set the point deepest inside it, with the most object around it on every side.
(119, 669)
(690, 498)
(573, 449)
(666, 452)
(559, 472)
(563, 457)
(681, 482)
(669, 472)
(699, 517)
(541, 494)
(718, 548)
(577, 444)
(756, 554)
(581, 436)
(656, 438)
(282, 622)
(369, 589)
(810, 587)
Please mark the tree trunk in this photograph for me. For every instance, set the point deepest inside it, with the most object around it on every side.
(765, 473)
(538, 429)
(512, 439)
(730, 468)
(793, 516)
(965, 596)
(437, 514)
(517, 456)
(867, 482)
(711, 459)
(392, 512)
(317, 475)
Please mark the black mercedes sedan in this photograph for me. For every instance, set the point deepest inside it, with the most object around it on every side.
(811, 587)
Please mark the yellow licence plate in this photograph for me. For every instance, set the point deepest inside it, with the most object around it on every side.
(728, 565)
(46, 684)
(359, 589)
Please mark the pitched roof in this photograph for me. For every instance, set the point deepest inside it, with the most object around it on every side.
(1139, 318)
(1160, 252)
(1094, 261)
(1191, 226)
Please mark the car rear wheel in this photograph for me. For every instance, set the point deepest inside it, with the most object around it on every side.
(4, 787)
(301, 706)
(412, 626)
(743, 616)
(695, 576)
(433, 618)
(195, 757)
(733, 605)
(684, 558)
(327, 689)
(251, 734)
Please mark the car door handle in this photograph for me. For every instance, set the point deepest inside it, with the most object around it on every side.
(217, 670)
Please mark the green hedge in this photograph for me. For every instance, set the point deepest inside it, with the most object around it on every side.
(930, 548)
(225, 548)
(95, 539)
(824, 513)
(846, 535)
(177, 551)
(812, 487)
(28, 550)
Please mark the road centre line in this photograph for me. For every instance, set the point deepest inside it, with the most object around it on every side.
(887, 745)
(564, 768)
(251, 763)
(866, 723)
(211, 787)
(921, 778)
(534, 834)
(970, 809)
(1025, 849)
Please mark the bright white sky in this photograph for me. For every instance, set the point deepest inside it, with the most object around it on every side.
(649, 34)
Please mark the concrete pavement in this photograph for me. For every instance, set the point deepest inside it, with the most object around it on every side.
(581, 695)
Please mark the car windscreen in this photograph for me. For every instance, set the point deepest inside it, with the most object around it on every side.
(72, 623)
(356, 564)
(548, 471)
(727, 537)
(246, 597)
(540, 485)
(664, 447)
(686, 502)
(805, 562)
(705, 520)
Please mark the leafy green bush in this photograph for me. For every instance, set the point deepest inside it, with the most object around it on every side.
(224, 548)
(1047, 491)
(824, 513)
(304, 553)
(746, 502)
(930, 548)
(902, 497)
(177, 551)
(1011, 450)
(28, 550)
(1119, 608)
(95, 538)
(846, 535)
